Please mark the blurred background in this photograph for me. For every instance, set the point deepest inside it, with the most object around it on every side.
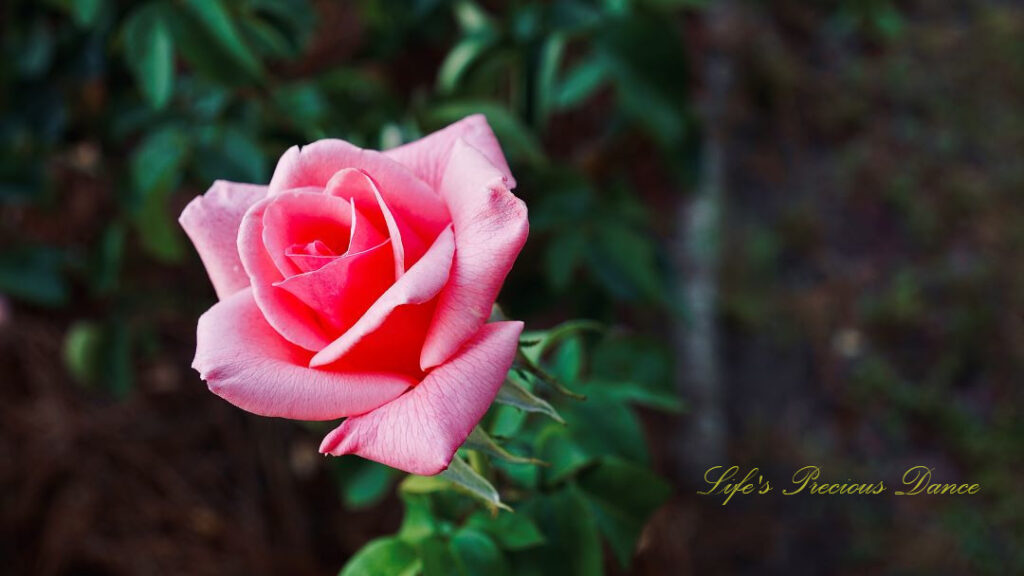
(804, 221)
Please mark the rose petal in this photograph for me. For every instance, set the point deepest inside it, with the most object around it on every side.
(211, 222)
(301, 218)
(490, 227)
(292, 319)
(394, 345)
(420, 431)
(428, 156)
(408, 197)
(418, 285)
(360, 189)
(245, 362)
(340, 291)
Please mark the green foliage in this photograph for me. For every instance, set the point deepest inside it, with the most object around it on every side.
(149, 52)
(384, 556)
(593, 486)
(34, 274)
(363, 483)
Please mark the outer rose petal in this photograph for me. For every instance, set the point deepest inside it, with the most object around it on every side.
(248, 364)
(211, 222)
(490, 229)
(428, 156)
(408, 197)
(420, 431)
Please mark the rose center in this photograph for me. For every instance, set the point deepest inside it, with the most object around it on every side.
(313, 255)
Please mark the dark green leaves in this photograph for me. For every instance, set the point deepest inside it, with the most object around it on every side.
(469, 480)
(34, 274)
(513, 393)
(85, 13)
(482, 442)
(622, 496)
(477, 555)
(384, 557)
(460, 476)
(643, 58)
(573, 545)
(149, 52)
(98, 355)
(363, 483)
(512, 531)
(220, 25)
(156, 169)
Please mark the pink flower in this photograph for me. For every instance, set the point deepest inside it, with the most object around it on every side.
(358, 284)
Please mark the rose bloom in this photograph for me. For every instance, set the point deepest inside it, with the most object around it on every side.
(358, 284)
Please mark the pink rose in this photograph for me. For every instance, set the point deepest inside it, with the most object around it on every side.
(358, 284)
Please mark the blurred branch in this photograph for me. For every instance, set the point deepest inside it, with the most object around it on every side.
(696, 257)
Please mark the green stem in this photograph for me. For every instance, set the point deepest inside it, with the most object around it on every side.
(479, 463)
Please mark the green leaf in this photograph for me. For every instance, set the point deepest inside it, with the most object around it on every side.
(472, 18)
(640, 394)
(85, 13)
(303, 103)
(507, 420)
(34, 55)
(633, 358)
(99, 355)
(460, 476)
(460, 59)
(551, 338)
(573, 545)
(563, 256)
(481, 441)
(218, 22)
(418, 523)
(651, 80)
(384, 557)
(156, 168)
(580, 83)
(423, 484)
(82, 345)
(477, 555)
(106, 261)
(626, 260)
(157, 162)
(517, 140)
(230, 153)
(465, 478)
(567, 360)
(532, 371)
(367, 485)
(514, 394)
(34, 275)
(149, 52)
(547, 71)
(512, 531)
(604, 426)
(438, 557)
(557, 448)
(623, 496)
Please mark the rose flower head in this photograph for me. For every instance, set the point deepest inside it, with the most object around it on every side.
(358, 285)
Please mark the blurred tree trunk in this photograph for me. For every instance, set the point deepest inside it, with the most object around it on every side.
(696, 255)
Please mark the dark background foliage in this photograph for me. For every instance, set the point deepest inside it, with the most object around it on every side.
(805, 217)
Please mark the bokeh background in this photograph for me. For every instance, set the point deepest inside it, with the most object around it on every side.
(805, 218)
